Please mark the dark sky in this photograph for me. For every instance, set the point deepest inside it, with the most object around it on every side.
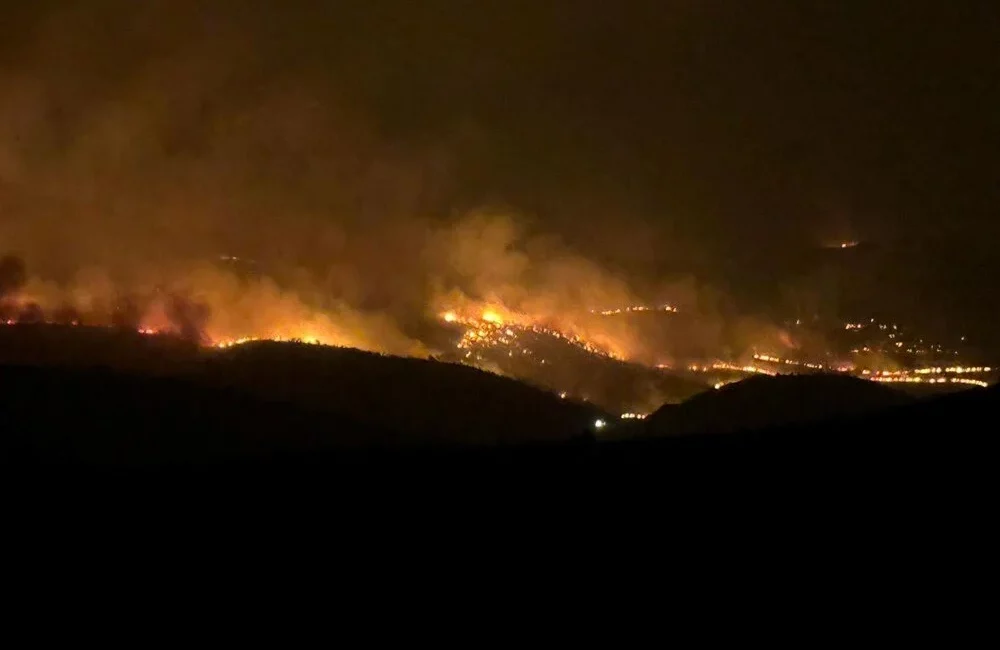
(722, 120)
(702, 125)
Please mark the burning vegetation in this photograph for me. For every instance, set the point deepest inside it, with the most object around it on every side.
(119, 192)
(594, 355)
(207, 306)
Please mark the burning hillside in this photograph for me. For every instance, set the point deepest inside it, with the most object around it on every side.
(503, 329)
(203, 304)
(565, 362)
(610, 357)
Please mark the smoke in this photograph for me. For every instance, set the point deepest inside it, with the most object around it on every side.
(120, 176)
(139, 142)
(13, 275)
(488, 262)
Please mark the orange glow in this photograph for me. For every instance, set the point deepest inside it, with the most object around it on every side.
(221, 343)
(495, 326)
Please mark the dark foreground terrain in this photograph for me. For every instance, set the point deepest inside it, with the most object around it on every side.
(299, 411)
(100, 418)
(762, 402)
(78, 378)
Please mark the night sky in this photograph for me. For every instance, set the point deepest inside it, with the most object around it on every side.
(726, 121)
(675, 134)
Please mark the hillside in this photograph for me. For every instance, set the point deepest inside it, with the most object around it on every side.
(113, 377)
(939, 451)
(270, 401)
(429, 400)
(80, 346)
(558, 364)
(102, 416)
(762, 402)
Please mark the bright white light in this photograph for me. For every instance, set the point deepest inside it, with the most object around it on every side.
(599, 424)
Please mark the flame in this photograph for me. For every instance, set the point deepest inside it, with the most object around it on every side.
(939, 375)
(490, 316)
(221, 311)
(491, 323)
(212, 306)
(496, 326)
(222, 343)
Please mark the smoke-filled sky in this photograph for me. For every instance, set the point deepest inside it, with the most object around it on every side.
(351, 138)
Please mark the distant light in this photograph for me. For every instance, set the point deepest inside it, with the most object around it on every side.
(599, 424)
(562, 395)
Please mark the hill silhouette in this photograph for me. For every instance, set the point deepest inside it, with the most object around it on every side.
(315, 406)
(93, 384)
(429, 400)
(95, 415)
(762, 402)
(122, 349)
(926, 450)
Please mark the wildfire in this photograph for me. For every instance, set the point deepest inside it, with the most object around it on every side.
(229, 343)
(803, 364)
(732, 367)
(218, 310)
(222, 343)
(634, 309)
(929, 375)
(951, 370)
(934, 380)
(499, 327)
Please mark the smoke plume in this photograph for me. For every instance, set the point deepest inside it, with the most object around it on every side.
(189, 179)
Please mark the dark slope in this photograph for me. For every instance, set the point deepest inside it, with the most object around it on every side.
(267, 389)
(767, 402)
(613, 385)
(932, 442)
(286, 402)
(946, 443)
(428, 400)
(82, 346)
(103, 416)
